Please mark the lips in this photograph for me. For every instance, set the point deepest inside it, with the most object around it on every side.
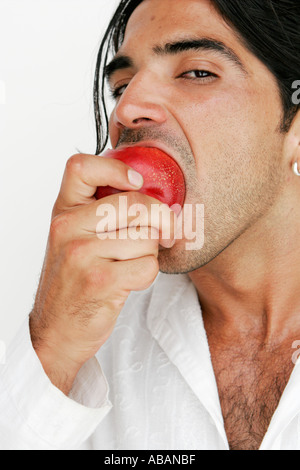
(163, 178)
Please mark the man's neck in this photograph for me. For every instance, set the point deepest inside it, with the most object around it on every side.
(255, 282)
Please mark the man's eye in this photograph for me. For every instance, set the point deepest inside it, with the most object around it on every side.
(202, 75)
(118, 91)
(199, 75)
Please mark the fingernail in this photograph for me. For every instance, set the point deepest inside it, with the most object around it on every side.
(135, 179)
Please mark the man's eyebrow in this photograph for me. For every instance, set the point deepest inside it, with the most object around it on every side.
(198, 44)
(121, 62)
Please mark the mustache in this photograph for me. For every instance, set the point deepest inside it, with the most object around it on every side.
(134, 136)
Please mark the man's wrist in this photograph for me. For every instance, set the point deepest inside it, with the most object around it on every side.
(58, 366)
(61, 373)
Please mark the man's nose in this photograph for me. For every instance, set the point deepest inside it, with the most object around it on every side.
(141, 104)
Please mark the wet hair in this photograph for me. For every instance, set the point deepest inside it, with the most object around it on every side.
(270, 29)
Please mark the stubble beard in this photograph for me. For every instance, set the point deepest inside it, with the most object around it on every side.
(234, 202)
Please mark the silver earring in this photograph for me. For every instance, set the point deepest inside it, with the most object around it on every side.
(296, 169)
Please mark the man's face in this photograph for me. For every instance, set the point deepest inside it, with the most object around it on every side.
(209, 103)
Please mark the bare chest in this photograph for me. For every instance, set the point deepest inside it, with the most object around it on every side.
(250, 386)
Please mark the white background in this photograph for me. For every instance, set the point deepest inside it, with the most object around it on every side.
(48, 51)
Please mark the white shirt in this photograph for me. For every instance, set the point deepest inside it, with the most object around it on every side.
(155, 389)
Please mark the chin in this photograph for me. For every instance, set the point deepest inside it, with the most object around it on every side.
(178, 260)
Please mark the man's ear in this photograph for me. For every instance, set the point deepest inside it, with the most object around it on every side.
(292, 143)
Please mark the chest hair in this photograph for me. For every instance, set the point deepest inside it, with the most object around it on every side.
(251, 379)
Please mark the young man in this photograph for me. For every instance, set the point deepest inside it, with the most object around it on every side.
(204, 357)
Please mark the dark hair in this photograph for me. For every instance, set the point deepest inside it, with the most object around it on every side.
(270, 29)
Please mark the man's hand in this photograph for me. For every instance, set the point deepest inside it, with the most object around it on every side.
(85, 281)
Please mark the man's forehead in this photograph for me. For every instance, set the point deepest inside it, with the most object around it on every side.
(167, 16)
(162, 21)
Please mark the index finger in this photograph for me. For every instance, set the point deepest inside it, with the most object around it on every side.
(84, 173)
